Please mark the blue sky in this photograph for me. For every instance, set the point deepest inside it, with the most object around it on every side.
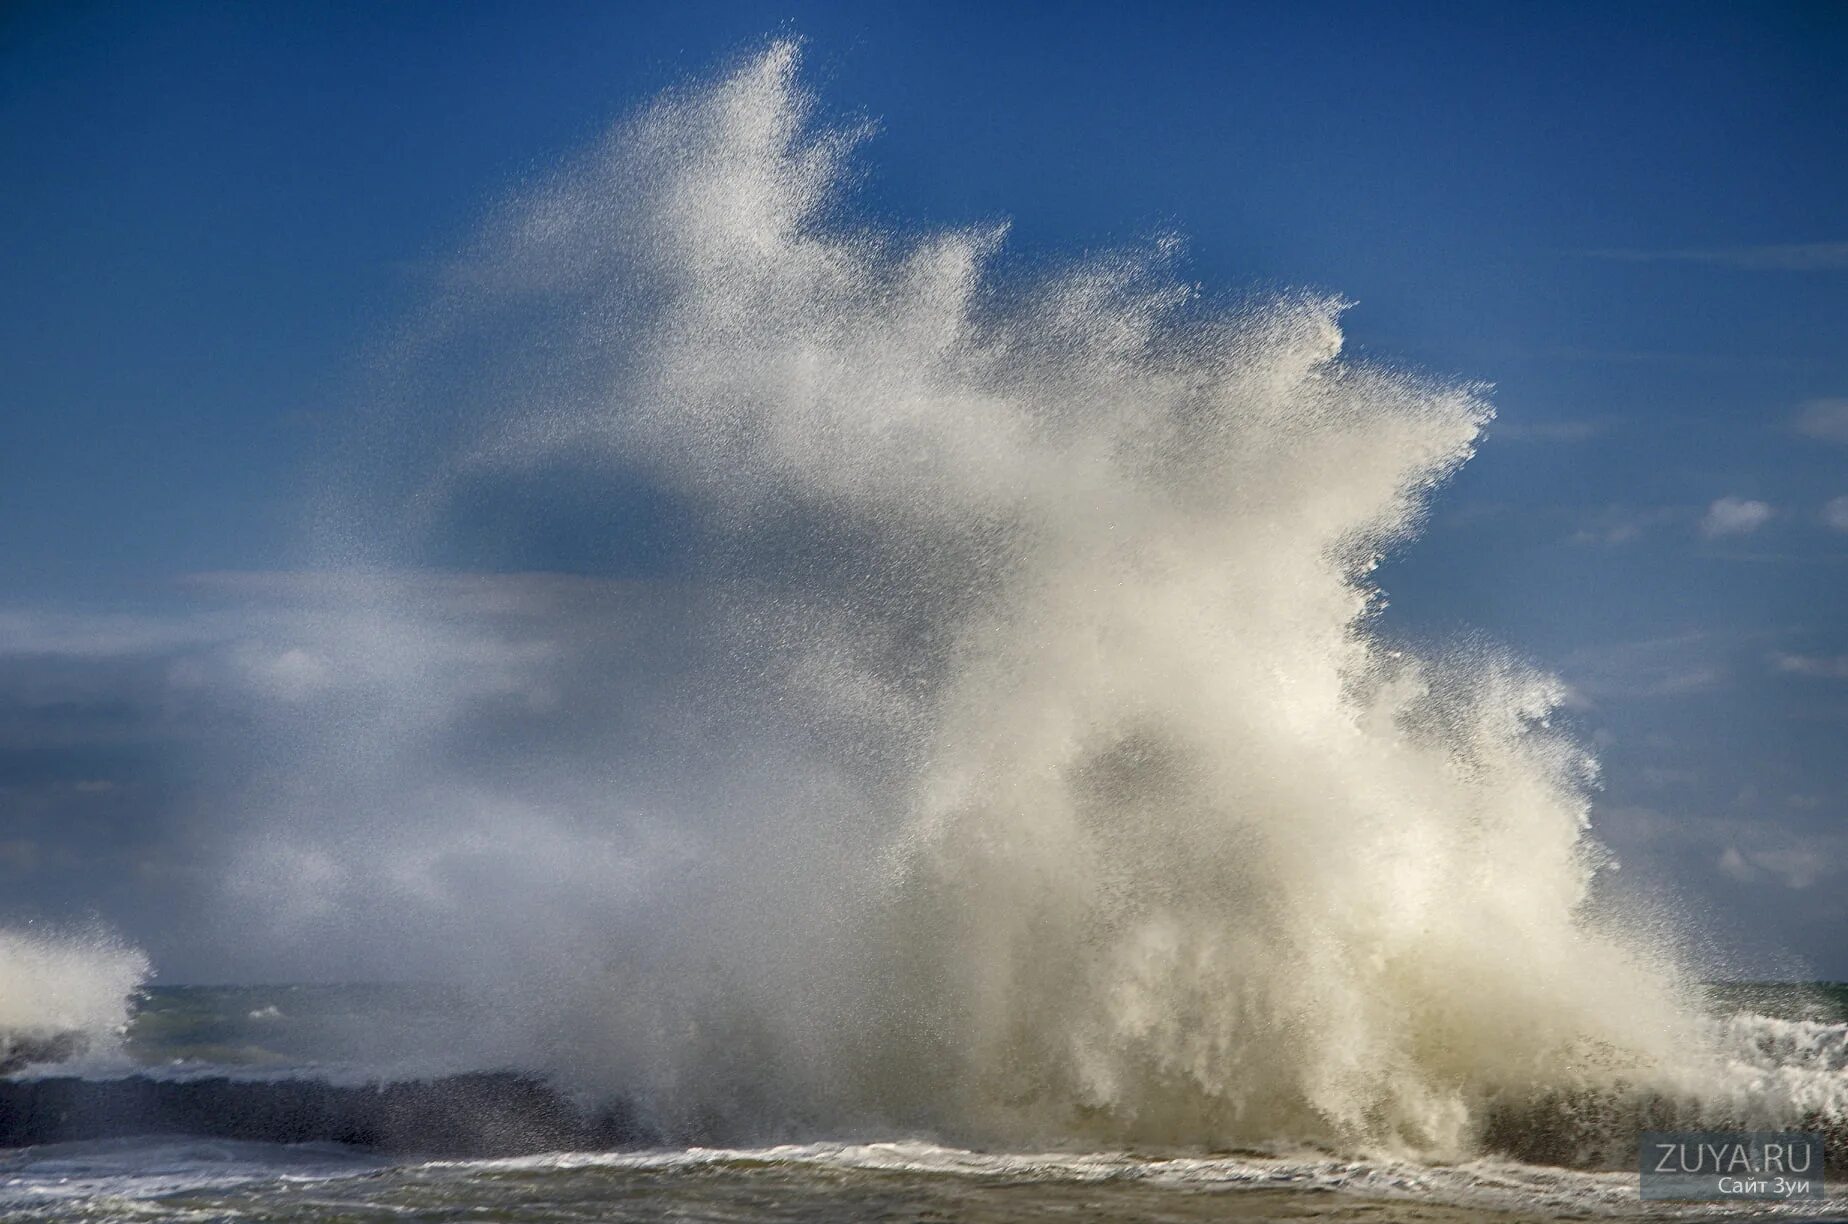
(1632, 220)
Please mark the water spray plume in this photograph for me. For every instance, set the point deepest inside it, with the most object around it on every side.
(1043, 775)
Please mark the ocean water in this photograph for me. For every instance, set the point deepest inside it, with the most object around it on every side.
(194, 1180)
(871, 726)
(266, 1034)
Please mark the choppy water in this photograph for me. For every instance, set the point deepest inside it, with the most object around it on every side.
(194, 1180)
(180, 1179)
(331, 1031)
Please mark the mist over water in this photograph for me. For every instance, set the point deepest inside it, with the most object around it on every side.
(815, 682)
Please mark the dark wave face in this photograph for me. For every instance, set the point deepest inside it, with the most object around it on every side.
(479, 1114)
(355, 1065)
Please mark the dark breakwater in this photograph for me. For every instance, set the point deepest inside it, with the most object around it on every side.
(495, 1113)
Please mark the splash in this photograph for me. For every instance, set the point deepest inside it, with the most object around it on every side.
(63, 995)
(1019, 756)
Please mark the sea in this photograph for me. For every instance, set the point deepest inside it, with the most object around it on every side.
(360, 1034)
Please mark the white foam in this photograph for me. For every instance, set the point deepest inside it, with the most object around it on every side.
(55, 985)
(1494, 1185)
(119, 1172)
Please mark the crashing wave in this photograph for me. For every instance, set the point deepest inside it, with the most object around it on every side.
(63, 995)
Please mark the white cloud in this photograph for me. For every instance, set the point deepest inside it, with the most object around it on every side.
(1821, 667)
(1732, 863)
(1835, 513)
(1789, 866)
(1825, 419)
(1734, 516)
(1749, 848)
(292, 675)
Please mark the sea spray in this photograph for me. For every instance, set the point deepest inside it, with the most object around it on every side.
(64, 994)
(1011, 753)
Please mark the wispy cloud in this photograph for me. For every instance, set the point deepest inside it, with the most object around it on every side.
(1778, 257)
(415, 647)
(1670, 666)
(1752, 846)
(80, 635)
(1791, 866)
(1823, 419)
(1835, 513)
(1822, 667)
(1734, 516)
(1617, 525)
(1729, 517)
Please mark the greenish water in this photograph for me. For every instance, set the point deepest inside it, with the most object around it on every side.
(292, 1026)
(1819, 1002)
(395, 1025)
